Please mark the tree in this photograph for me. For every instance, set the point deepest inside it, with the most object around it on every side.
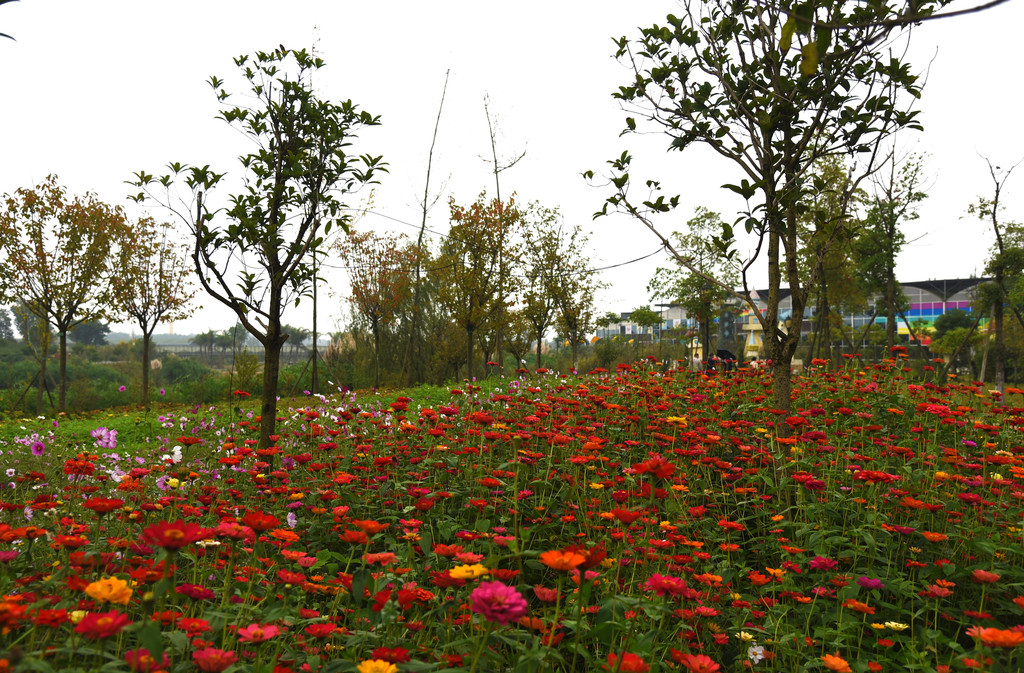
(468, 269)
(6, 326)
(772, 93)
(691, 288)
(897, 193)
(645, 318)
(152, 284)
(205, 342)
(56, 258)
(551, 258)
(92, 333)
(379, 270)
(1005, 265)
(255, 257)
(828, 228)
(574, 297)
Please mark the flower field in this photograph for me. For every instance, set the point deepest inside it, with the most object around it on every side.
(625, 521)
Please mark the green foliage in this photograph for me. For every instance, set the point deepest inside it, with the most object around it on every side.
(92, 333)
(247, 370)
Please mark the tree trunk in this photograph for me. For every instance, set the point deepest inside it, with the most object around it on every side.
(469, 354)
(376, 355)
(574, 346)
(41, 386)
(62, 384)
(999, 346)
(268, 410)
(540, 340)
(890, 308)
(272, 346)
(145, 370)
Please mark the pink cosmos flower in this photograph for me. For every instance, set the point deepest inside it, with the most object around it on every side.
(498, 602)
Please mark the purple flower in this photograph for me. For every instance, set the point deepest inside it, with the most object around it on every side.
(498, 602)
(38, 448)
(163, 392)
(122, 389)
(869, 583)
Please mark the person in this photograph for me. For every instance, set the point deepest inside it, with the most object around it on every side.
(727, 358)
(754, 364)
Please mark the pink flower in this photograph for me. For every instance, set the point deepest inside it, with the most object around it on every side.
(498, 602)
(254, 633)
(823, 563)
(869, 583)
(664, 585)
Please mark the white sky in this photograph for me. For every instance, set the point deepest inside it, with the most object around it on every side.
(94, 91)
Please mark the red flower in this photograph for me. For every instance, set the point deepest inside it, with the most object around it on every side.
(141, 661)
(103, 505)
(984, 577)
(629, 663)
(174, 535)
(697, 663)
(96, 625)
(260, 522)
(395, 655)
(212, 660)
(321, 630)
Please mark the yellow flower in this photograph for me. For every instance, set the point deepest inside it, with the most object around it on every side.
(896, 626)
(744, 636)
(468, 572)
(173, 483)
(597, 486)
(377, 666)
(878, 626)
(77, 616)
(110, 590)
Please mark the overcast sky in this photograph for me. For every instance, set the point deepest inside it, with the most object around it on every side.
(95, 91)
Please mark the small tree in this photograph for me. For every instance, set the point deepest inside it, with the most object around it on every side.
(574, 297)
(6, 326)
(151, 284)
(771, 89)
(897, 193)
(467, 272)
(645, 318)
(691, 289)
(56, 254)
(260, 259)
(1005, 265)
(380, 269)
(552, 257)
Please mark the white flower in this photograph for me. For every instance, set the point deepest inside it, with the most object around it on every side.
(755, 653)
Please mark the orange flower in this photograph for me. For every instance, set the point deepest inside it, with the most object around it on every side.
(110, 590)
(998, 637)
(934, 537)
(857, 606)
(834, 662)
(559, 559)
(371, 527)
